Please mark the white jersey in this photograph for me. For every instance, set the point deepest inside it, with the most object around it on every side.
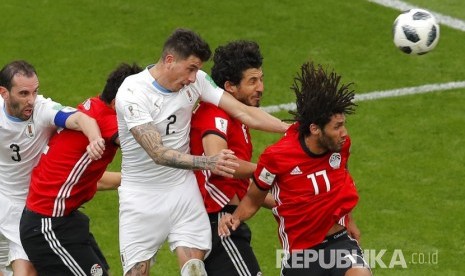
(22, 143)
(140, 99)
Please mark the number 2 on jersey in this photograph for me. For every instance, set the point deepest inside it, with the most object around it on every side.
(172, 120)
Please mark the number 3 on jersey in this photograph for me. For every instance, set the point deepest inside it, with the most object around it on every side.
(319, 177)
(16, 157)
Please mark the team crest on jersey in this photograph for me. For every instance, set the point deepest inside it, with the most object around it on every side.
(221, 124)
(335, 160)
(30, 130)
(266, 176)
(96, 270)
(132, 111)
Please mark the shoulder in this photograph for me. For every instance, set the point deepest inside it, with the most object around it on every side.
(46, 109)
(203, 79)
(95, 106)
(209, 110)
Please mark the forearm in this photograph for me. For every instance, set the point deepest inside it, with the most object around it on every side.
(214, 144)
(250, 204)
(149, 138)
(269, 201)
(253, 117)
(109, 181)
(245, 169)
(258, 119)
(246, 209)
(81, 122)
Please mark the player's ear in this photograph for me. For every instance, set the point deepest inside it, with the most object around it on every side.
(3, 92)
(230, 87)
(314, 129)
(169, 58)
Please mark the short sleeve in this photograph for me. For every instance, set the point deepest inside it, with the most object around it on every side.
(265, 174)
(132, 107)
(210, 92)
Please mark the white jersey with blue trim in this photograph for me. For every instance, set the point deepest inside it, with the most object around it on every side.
(22, 143)
(140, 100)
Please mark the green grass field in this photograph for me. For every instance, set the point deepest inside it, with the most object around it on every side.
(407, 156)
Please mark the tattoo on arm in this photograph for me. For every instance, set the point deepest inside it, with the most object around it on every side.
(139, 269)
(150, 139)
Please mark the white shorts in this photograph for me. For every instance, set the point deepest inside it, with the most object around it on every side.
(4, 249)
(148, 217)
(10, 215)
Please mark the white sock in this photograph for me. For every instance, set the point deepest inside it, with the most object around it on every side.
(193, 267)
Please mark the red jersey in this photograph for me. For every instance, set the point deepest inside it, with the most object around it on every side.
(312, 192)
(66, 177)
(217, 191)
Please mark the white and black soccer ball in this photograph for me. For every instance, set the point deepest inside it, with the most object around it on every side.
(416, 31)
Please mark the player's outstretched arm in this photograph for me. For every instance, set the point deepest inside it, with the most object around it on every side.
(109, 181)
(245, 210)
(352, 229)
(251, 116)
(81, 122)
(223, 163)
(214, 144)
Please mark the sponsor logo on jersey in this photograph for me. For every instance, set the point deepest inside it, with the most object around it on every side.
(96, 270)
(335, 160)
(266, 177)
(221, 124)
(296, 171)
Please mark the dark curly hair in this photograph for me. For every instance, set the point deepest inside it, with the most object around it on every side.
(184, 43)
(319, 96)
(232, 59)
(116, 78)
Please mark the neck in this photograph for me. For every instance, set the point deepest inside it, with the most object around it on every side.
(157, 73)
(311, 142)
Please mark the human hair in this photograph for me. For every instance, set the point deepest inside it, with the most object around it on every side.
(183, 43)
(232, 59)
(319, 95)
(116, 78)
(15, 67)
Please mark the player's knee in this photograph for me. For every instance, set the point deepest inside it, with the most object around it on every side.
(193, 267)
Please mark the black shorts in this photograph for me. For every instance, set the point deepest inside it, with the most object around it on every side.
(233, 255)
(61, 245)
(334, 256)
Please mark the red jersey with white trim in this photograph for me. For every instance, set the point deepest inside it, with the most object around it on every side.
(209, 119)
(312, 192)
(66, 177)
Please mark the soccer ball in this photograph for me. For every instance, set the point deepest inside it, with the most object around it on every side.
(415, 31)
